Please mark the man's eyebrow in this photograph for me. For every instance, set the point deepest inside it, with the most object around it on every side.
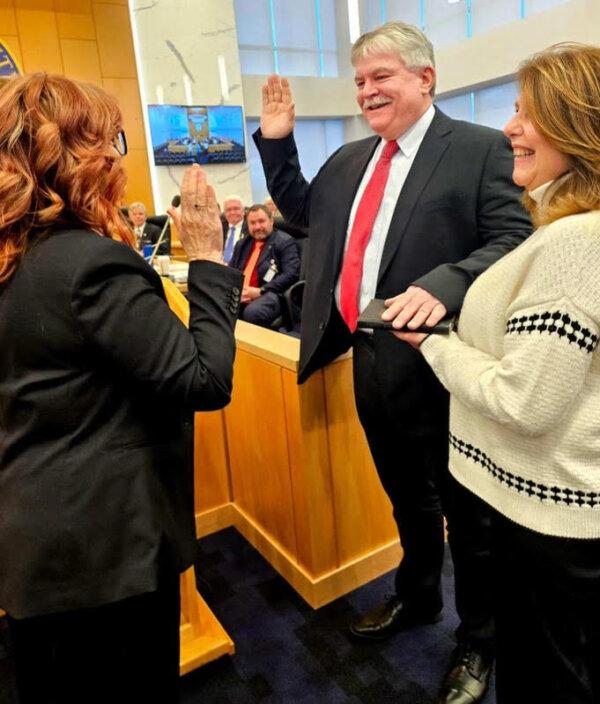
(377, 69)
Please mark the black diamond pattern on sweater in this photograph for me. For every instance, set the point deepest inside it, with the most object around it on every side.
(554, 494)
(554, 323)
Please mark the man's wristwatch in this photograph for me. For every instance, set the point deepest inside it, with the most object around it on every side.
(263, 289)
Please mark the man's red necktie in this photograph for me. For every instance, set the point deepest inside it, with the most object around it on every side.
(352, 268)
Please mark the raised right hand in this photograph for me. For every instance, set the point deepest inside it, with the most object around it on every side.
(277, 117)
(198, 223)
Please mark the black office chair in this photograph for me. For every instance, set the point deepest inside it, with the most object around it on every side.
(291, 298)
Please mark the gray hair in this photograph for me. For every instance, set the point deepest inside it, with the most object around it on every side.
(140, 206)
(405, 40)
(232, 196)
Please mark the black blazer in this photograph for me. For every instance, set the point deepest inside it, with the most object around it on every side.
(280, 251)
(98, 384)
(457, 213)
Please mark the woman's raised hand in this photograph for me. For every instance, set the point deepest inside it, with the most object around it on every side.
(199, 223)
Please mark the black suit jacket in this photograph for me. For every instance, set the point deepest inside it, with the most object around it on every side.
(457, 213)
(98, 384)
(280, 251)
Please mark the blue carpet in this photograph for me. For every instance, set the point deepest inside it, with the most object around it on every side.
(287, 652)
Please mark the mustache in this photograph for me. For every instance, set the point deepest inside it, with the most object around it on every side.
(377, 100)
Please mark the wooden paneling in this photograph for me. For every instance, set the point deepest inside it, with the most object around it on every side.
(38, 35)
(74, 19)
(35, 4)
(363, 512)
(258, 451)
(113, 33)
(306, 425)
(8, 21)
(211, 482)
(14, 47)
(126, 91)
(80, 58)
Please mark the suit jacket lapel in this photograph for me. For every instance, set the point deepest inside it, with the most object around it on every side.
(266, 250)
(430, 152)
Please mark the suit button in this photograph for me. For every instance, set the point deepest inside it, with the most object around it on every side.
(235, 290)
(233, 309)
(321, 326)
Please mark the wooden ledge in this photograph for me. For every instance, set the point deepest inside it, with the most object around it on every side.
(275, 347)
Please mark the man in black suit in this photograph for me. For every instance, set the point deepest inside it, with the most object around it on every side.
(434, 203)
(145, 232)
(270, 261)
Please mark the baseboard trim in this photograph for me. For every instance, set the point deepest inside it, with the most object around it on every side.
(316, 591)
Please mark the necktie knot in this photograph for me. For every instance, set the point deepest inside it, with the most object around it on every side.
(389, 150)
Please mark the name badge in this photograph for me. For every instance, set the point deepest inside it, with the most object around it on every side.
(271, 272)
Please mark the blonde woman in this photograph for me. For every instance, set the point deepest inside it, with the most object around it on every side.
(524, 376)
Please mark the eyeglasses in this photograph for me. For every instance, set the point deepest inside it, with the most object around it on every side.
(120, 143)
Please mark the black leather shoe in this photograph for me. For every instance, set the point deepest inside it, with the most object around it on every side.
(391, 617)
(467, 679)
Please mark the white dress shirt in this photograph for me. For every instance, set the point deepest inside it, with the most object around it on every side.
(402, 161)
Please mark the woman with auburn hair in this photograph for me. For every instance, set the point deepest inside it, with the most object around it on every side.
(524, 376)
(98, 385)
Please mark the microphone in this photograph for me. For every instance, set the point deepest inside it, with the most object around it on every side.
(175, 202)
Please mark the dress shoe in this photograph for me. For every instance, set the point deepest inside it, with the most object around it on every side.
(391, 617)
(467, 679)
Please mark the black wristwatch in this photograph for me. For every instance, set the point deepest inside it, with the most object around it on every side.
(263, 289)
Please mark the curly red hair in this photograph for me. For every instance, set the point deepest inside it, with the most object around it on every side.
(58, 167)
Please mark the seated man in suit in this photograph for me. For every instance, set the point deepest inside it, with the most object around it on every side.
(270, 261)
(145, 232)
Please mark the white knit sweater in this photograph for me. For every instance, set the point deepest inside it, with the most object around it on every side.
(524, 377)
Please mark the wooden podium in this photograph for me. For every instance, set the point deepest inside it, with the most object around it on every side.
(202, 638)
(290, 468)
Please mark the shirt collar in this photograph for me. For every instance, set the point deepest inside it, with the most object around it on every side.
(542, 194)
(411, 140)
(539, 193)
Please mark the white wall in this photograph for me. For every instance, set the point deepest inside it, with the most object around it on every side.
(185, 37)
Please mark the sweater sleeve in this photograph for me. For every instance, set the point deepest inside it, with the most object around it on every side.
(547, 346)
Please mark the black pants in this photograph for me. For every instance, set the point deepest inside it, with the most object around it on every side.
(119, 653)
(412, 463)
(547, 615)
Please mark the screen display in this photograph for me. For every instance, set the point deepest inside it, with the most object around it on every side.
(201, 134)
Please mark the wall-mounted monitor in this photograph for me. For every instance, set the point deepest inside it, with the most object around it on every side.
(201, 134)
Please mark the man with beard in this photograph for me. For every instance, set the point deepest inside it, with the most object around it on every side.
(270, 262)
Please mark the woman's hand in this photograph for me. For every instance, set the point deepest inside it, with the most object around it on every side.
(198, 224)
